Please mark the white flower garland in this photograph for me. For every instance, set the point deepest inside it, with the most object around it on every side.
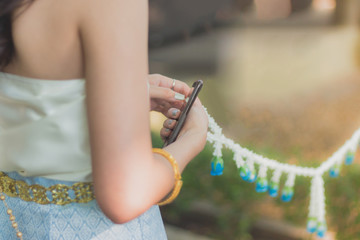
(245, 160)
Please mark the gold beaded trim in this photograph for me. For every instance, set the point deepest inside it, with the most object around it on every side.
(60, 193)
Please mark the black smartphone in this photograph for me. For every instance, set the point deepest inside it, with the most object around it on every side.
(180, 123)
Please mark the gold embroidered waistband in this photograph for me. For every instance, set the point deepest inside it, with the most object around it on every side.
(59, 194)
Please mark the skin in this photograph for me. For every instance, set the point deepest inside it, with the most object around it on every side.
(106, 43)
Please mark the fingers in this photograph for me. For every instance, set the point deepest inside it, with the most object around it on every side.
(160, 92)
(166, 82)
(163, 107)
(180, 87)
(165, 93)
(172, 114)
(168, 125)
(165, 133)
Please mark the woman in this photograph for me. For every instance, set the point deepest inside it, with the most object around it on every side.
(51, 134)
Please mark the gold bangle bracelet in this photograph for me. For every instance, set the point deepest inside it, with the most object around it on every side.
(178, 182)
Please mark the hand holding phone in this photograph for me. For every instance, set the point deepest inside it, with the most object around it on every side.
(181, 121)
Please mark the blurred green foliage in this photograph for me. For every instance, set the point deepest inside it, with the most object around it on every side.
(237, 200)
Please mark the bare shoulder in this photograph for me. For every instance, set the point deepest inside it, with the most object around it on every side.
(40, 16)
(112, 31)
(101, 10)
(46, 39)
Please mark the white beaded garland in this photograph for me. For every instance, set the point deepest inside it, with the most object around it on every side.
(317, 192)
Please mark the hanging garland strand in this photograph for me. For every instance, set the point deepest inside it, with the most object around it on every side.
(245, 160)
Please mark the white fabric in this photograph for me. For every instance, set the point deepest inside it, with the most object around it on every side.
(44, 128)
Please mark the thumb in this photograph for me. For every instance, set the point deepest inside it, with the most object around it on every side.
(164, 93)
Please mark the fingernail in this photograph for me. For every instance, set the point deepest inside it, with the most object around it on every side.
(170, 121)
(179, 96)
(167, 130)
(174, 112)
(187, 99)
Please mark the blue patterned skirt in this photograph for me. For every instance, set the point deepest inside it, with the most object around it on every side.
(75, 221)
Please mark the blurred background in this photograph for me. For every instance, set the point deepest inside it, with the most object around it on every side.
(280, 77)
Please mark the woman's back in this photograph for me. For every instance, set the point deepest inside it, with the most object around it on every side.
(48, 113)
(47, 42)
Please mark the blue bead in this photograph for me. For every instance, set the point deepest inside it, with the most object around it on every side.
(287, 194)
(244, 172)
(349, 158)
(334, 171)
(273, 189)
(217, 166)
(273, 192)
(311, 226)
(261, 185)
(321, 229)
(252, 177)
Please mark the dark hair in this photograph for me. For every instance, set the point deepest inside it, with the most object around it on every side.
(6, 39)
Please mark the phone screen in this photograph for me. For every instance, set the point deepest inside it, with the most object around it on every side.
(181, 121)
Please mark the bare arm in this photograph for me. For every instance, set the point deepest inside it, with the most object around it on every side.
(128, 178)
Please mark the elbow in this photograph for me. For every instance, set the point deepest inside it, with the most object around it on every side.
(118, 217)
(119, 213)
(121, 210)
(122, 193)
